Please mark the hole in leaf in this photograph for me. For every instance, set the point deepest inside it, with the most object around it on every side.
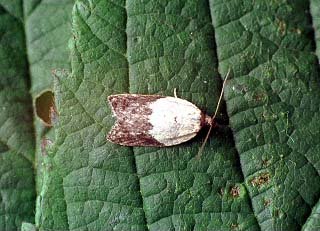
(45, 108)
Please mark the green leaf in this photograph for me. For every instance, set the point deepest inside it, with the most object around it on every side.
(315, 12)
(272, 100)
(17, 186)
(313, 222)
(93, 184)
(267, 180)
(28, 227)
(48, 30)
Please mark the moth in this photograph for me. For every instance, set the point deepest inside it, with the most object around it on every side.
(155, 120)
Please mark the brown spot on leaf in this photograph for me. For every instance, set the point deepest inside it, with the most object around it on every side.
(53, 115)
(266, 202)
(260, 180)
(44, 143)
(265, 163)
(235, 191)
(260, 97)
(234, 226)
(282, 27)
(278, 213)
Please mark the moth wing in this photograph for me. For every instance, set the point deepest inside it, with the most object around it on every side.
(152, 120)
(123, 104)
(132, 125)
(174, 120)
(119, 136)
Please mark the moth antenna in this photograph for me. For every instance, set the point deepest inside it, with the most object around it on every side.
(175, 92)
(198, 156)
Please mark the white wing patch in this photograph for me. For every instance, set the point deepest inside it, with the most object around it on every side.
(174, 120)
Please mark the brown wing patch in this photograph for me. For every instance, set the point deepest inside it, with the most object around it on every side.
(124, 103)
(132, 126)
